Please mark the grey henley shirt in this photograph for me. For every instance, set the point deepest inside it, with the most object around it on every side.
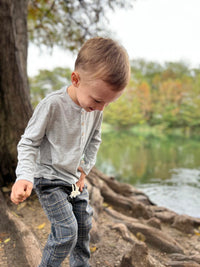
(60, 137)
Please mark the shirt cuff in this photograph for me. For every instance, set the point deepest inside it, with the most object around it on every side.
(29, 179)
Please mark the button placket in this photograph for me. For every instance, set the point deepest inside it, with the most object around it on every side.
(82, 126)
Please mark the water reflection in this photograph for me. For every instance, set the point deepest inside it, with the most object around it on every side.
(179, 193)
(167, 169)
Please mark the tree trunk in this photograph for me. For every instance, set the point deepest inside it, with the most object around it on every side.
(15, 107)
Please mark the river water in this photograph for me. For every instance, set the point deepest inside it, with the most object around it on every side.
(166, 169)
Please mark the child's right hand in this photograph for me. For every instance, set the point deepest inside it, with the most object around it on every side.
(81, 181)
(20, 191)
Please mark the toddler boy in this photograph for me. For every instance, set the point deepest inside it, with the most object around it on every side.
(59, 147)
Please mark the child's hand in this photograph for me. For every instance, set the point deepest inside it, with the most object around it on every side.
(20, 191)
(81, 181)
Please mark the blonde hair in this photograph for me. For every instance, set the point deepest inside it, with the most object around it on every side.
(105, 59)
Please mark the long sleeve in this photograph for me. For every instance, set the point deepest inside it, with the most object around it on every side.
(30, 142)
(57, 136)
(90, 154)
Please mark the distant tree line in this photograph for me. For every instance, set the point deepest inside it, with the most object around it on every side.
(167, 95)
(158, 94)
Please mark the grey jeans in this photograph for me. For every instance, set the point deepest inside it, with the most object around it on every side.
(71, 221)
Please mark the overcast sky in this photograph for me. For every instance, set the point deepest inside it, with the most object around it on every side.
(158, 30)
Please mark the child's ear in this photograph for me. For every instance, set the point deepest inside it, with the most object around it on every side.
(75, 78)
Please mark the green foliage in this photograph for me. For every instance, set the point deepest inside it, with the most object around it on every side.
(69, 23)
(47, 81)
(123, 113)
(167, 96)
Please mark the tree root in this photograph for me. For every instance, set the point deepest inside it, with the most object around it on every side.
(143, 224)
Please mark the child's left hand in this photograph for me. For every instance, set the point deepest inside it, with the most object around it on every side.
(81, 181)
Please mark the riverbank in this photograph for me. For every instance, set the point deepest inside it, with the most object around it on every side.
(166, 168)
(128, 230)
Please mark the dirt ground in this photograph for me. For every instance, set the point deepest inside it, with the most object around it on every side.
(111, 245)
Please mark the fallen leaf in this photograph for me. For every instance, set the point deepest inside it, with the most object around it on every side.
(106, 205)
(5, 189)
(197, 232)
(15, 214)
(7, 240)
(140, 236)
(3, 235)
(30, 208)
(93, 249)
(21, 206)
(112, 245)
(41, 226)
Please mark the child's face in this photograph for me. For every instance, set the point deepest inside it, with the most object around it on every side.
(93, 94)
